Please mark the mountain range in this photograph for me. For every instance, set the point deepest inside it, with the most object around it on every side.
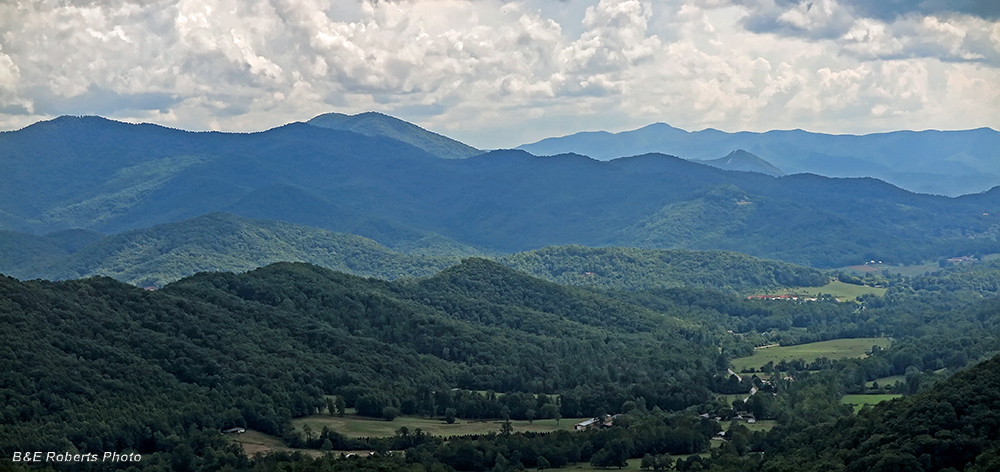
(496, 287)
(938, 162)
(99, 175)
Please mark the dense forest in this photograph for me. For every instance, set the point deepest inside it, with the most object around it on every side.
(96, 365)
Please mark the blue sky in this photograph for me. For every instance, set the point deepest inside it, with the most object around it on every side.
(501, 73)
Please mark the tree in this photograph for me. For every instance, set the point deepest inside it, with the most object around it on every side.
(614, 454)
(529, 415)
(449, 415)
(341, 406)
(390, 413)
(506, 428)
(647, 462)
(548, 410)
(501, 464)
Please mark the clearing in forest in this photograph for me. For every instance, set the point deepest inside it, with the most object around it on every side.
(858, 401)
(840, 290)
(832, 349)
(360, 426)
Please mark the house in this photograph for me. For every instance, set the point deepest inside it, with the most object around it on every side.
(236, 430)
(595, 423)
(584, 425)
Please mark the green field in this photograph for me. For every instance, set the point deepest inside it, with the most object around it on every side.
(883, 381)
(832, 349)
(358, 426)
(838, 289)
(254, 442)
(633, 464)
(858, 401)
(761, 425)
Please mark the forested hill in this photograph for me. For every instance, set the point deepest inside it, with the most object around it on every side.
(224, 242)
(110, 177)
(953, 426)
(643, 269)
(95, 365)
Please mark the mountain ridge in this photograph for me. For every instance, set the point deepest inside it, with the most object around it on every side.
(498, 202)
(950, 162)
(374, 124)
(744, 161)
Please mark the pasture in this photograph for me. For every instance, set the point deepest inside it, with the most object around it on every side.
(832, 349)
(884, 381)
(858, 401)
(359, 426)
(254, 442)
(840, 290)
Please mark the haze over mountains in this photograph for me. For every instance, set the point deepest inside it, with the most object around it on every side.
(105, 176)
(939, 162)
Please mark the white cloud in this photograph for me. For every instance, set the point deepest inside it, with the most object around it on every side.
(499, 73)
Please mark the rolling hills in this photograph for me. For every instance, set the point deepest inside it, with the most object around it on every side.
(168, 252)
(213, 242)
(113, 366)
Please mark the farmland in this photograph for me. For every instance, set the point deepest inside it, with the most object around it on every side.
(858, 401)
(358, 426)
(839, 290)
(832, 349)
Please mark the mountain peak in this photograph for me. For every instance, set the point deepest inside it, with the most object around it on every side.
(372, 123)
(741, 160)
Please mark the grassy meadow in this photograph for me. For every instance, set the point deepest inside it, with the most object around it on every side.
(840, 290)
(858, 401)
(359, 426)
(832, 349)
(883, 381)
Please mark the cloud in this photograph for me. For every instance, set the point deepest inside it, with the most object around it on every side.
(893, 9)
(499, 73)
(949, 31)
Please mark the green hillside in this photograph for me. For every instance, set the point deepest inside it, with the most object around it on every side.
(114, 367)
(953, 426)
(110, 367)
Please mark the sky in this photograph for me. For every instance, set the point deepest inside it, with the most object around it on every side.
(496, 73)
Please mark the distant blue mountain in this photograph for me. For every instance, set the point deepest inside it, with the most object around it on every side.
(375, 124)
(110, 177)
(938, 162)
(745, 162)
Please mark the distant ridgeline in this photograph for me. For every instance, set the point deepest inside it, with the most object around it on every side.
(939, 162)
(387, 180)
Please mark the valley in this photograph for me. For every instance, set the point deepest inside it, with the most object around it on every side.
(358, 286)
